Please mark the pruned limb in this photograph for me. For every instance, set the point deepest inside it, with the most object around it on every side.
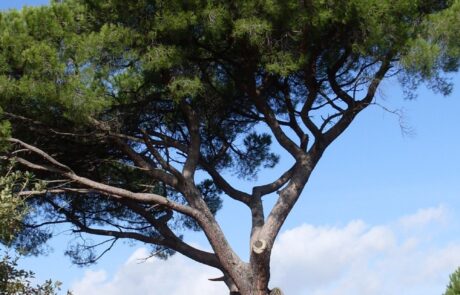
(229, 282)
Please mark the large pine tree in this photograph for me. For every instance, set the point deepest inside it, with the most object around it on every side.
(130, 114)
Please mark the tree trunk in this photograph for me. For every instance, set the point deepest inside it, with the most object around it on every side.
(252, 285)
(248, 286)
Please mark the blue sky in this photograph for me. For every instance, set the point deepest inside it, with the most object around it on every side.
(6, 4)
(382, 209)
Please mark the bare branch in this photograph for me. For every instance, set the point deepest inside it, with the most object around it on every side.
(331, 74)
(40, 153)
(224, 185)
(104, 232)
(37, 166)
(144, 164)
(329, 120)
(305, 113)
(329, 101)
(385, 66)
(406, 130)
(55, 191)
(274, 125)
(275, 185)
(164, 164)
(351, 112)
(209, 168)
(112, 240)
(293, 119)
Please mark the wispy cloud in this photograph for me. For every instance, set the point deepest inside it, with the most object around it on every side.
(355, 259)
(425, 216)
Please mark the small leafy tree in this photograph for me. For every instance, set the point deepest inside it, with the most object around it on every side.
(454, 284)
(13, 210)
(131, 114)
(15, 281)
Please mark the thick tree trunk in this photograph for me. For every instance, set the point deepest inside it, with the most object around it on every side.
(253, 284)
(248, 285)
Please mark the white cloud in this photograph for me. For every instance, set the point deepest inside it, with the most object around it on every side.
(355, 259)
(176, 276)
(309, 258)
(424, 217)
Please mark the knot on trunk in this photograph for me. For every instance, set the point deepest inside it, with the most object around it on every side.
(259, 246)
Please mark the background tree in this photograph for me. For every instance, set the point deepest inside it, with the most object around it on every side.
(13, 280)
(454, 284)
(16, 281)
(130, 114)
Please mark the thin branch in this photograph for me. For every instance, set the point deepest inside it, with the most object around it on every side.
(293, 120)
(329, 101)
(351, 112)
(210, 169)
(274, 125)
(45, 223)
(399, 113)
(329, 119)
(331, 74)
(54, 191)
(144, 164)
(275, 185)
(386, 64)
(164, 164)
(224, 185)
(305, 113)
(48, 129)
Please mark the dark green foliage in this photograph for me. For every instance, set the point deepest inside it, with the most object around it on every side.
(257, 153)
(13, 208)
